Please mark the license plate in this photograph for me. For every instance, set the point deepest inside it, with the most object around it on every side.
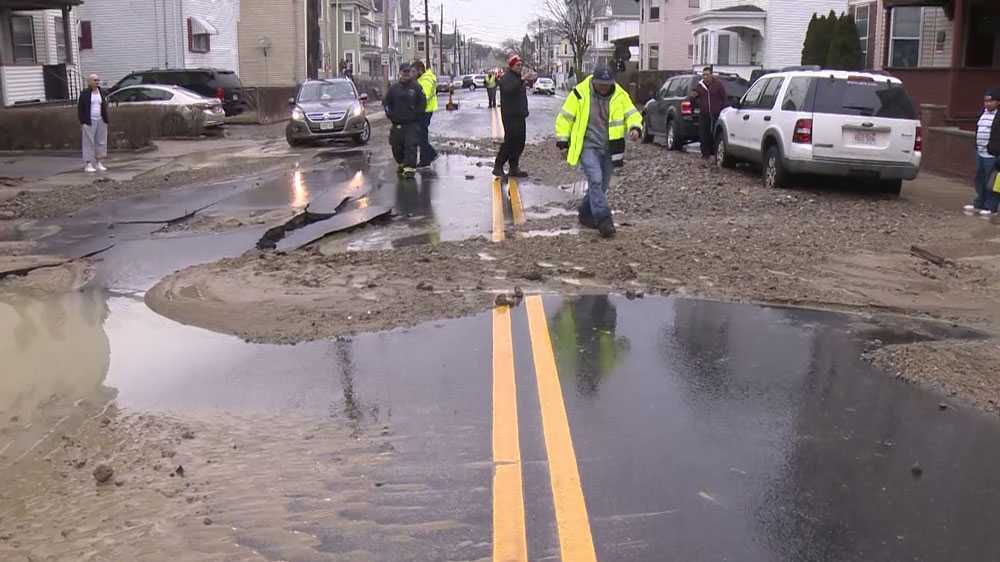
(326, 126)
(864, 138)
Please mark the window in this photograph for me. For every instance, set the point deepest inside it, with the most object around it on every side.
(693, 4)
(753, 94)
(348, 21)
(86, 35)
(690, 50)
(704, 49)
(654, 56)
(604, 34)
(723, 56)
(153, 94)
(904, 47)
(349, 58)
(198, 40)
(795, 96)
(420, 46)
(940, 40)
(863, 98)
(23, 36)
(654, 13)
(770, 94)
(665, 89)
(680, 88)
(565, 49)
(861, 21)
(60, 40)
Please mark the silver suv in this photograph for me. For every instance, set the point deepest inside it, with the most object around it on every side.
(824, 122)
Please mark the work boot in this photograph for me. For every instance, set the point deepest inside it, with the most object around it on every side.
(606, 227)
(518, 173)
(409, 172)
(400, 168)
(498, 171)
(586, 220)
(427, 163)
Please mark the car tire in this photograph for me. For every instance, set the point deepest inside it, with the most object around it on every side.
(672, 141)
(173, 125)
(364, 136)
(722, 156)
(647, 137)
(890, 187)
(774, 174)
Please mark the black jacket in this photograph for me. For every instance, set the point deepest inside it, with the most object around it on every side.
(513, 97)
(994, 146)
(404, 103)
(83, 107)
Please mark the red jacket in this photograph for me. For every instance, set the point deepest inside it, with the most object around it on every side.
(712, 97)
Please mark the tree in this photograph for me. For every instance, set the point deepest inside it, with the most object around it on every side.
(810, 46)
(845, 48)
(573, 20)
(528, 51)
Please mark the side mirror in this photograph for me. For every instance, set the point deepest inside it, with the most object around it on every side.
(291, 102)
(363, 97)
(737, 104)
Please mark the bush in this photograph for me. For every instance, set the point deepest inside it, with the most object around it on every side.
(832, 42)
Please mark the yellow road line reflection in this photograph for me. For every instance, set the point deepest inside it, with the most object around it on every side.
(498, 233)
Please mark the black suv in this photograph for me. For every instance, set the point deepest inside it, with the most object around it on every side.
(223, 85)
(673, 115)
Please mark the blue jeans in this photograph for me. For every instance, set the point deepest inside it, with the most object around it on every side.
(596, 166)
(985, 197)
(427, 152)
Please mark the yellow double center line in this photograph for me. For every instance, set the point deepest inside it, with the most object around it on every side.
(576, 542)
(516, 207)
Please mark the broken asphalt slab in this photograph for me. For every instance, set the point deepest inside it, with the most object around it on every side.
(319, 229)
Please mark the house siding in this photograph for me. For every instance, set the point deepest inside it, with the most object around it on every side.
(224, 15)
(785, 28)
(672, 33)
(22, 83)
(283, 23)
(933, 22)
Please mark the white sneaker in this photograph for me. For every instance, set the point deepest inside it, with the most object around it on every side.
(89, 168)
(101, 168)
(986, 213)
(969, 208)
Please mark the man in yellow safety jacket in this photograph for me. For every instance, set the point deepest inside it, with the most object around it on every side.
(491, 88)
(428, 83)
(591, 126)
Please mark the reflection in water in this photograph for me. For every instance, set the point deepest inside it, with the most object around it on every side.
(583, 337)
(300, 191)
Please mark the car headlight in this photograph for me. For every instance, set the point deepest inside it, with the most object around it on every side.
(298, 114)
(358, 110)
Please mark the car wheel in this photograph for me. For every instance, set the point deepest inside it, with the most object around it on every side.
(890, 187)
(173, 125)
(672, 139)
(722, 156)
(365, 135)
(647, 137)
(775, 176)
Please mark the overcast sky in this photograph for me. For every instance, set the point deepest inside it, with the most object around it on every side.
(489, 21)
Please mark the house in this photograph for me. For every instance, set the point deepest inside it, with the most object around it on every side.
(665, 38)
(946, 52)
(39, 50)
(738, 36)
(613, 20)
(272, 43)
(424, 31)
(121, 36)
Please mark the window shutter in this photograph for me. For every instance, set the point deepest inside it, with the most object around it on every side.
(190, 36)
(86, 36)
(208, 43)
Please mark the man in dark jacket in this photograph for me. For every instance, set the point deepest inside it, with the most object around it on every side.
(711, 97)
(513, 114)
(404, 106)
(92, 111)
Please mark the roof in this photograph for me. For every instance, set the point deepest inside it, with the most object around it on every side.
(841, 74)
(37, 4)
(740, 8)
(618, 8)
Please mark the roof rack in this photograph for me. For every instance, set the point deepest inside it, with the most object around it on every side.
(803, 67)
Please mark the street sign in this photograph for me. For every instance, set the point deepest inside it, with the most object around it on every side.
(385, 59)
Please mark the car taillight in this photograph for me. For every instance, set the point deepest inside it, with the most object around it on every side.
(220, 93)
(918, 143)
(803, 131)
(686, 108)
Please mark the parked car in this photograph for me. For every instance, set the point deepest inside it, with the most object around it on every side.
(478, 81)
(209, 82)
(191, 110)
(444, 84)
(467, 82)
(830, 122)
(457, 83)
(672, 115)
(545, 86)
(328, 109)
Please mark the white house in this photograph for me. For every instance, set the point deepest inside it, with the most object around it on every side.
(120, 36)
(613, 20)
(740, 36)
(38, 51)
(665, 34)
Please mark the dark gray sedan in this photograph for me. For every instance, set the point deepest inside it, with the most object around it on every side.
(328, 109)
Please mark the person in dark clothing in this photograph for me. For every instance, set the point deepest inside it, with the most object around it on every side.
(404, 106)
(513, 114)
(711, 97)
(92, 112)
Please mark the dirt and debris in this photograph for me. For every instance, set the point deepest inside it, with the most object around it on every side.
(103, 473)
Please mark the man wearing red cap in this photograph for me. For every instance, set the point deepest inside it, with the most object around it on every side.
(513, 113)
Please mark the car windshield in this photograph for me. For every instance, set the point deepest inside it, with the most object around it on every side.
(863, 97)
(544, 80)
(326, 91)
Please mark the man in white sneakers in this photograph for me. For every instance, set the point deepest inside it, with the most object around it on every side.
(92, 110)
(987, 153)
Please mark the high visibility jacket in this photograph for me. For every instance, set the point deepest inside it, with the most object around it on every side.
(571, 123)
(429, 84)
(491, 81)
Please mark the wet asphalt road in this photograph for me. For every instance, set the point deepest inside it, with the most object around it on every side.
(696, 430)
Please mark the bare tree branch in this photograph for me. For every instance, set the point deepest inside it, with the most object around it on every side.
(573, 20)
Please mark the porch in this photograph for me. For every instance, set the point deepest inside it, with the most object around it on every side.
(37, 52)
(971, 39)
(730, 39)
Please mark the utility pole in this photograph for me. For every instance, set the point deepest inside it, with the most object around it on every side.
(427, 36)
(441, 44)
(456, 66)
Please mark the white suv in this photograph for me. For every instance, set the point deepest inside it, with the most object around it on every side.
(824, 122)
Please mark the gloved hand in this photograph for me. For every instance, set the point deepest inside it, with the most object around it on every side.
(562, 145)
